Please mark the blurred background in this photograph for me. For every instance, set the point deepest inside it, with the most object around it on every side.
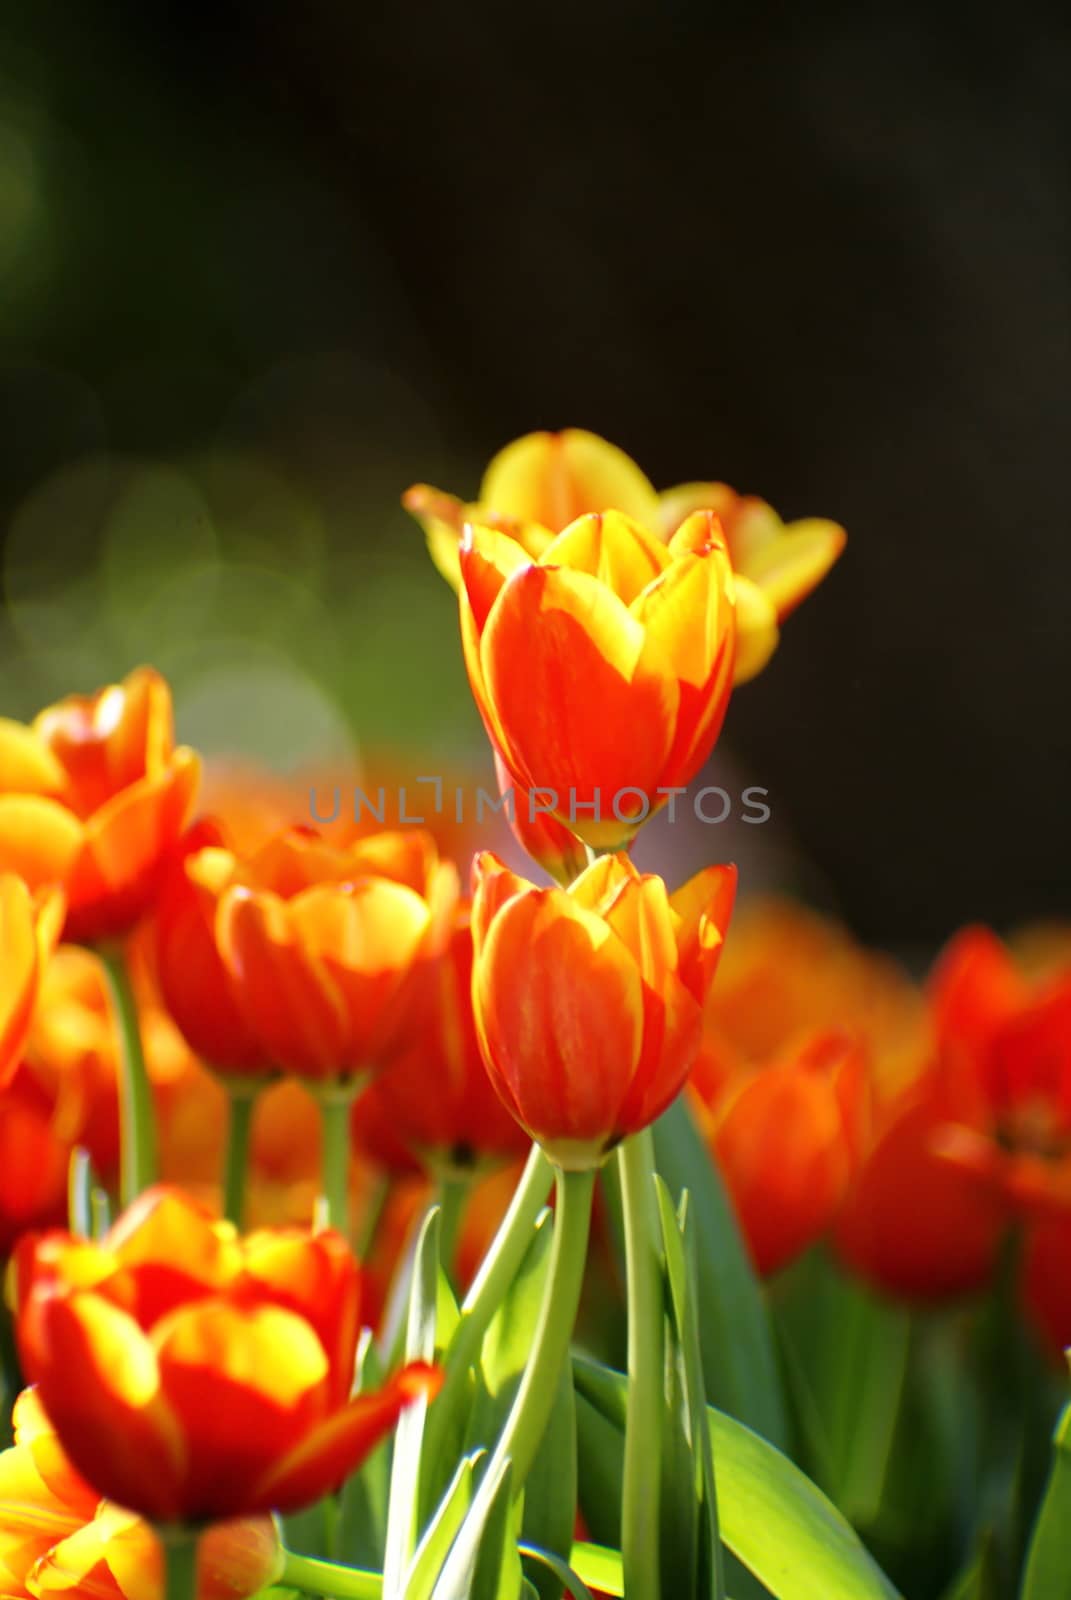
(262, 266)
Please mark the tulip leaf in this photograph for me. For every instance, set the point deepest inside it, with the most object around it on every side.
(1048, 1564)
(846, 1355)
(409, 1434)
(440, 1533)
(481, 1551)
(778, 1524)
(563, 1575)
(736, 1345)
(978, 1580)
(600, 1446)
(600, 1568)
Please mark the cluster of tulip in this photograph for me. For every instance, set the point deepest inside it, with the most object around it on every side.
(271, 1046)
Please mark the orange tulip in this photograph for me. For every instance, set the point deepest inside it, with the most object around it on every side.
(538, 832)
(602, 670)
(192, 1376)
(980, 1141)
(588, 1000)
(297, 959)
(788, 1137)
(543, 481)
(434, 1098)
(95, 795)
(29, 927)
(57, 1537)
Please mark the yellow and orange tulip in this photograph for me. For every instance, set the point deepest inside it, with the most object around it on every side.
(602, 669)
(95, 794)
(296, 960)
(193, 1377)
(541, 482)
(57, 1537)
(588, 1000)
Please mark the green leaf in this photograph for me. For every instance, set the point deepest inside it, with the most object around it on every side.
(561, 1572)
(774, 1519)
(601, 1447)
(1048, 1563)
(439, 1536)
(600, 1568)
(475, 1556)
(739, 1366)
(550, 1488)
(847, 1359)
(409, 1434)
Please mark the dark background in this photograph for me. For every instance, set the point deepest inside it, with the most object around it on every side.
(824, 259)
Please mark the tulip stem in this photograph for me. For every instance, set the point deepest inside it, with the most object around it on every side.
(640, 1509)
(137, 1125)
(324, 1577)
(497, 1271)
(523, 1433)
(335, 1102)
(179, 1546)
(241, 1099)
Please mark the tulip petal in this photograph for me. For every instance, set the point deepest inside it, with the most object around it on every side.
(286, 998)
(40, 839)
(790, 566)
(248, 1382)
(331, 1452)
(560, 1015)
(318, 1279)
(173, 1250)
(611, 547)
(27, 765)
(756, 629)
(580, 711)
(493, 883)
(100, 1384)
(704, 905)
(553, 478)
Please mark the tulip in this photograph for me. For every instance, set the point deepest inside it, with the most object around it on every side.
(980, 1141)
(540, 483)
(193, 1377)
(294, 959)
(29, 928)
(57, 1537)
(603, 669)
(434, 1098)
(95, 796)
(788, 1137)
(588, 1000)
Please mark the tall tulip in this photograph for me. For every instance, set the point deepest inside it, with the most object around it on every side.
(602, 669)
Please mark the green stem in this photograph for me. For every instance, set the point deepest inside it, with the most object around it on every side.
(10, 1373)
(137, 1126)
(324, 1577)
(643, 1427)
(241, 1099)
(179, 1546)
(527, 1421)
(335, 1102)
(497, 1271)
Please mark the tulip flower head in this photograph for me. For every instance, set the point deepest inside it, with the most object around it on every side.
(603, 668)
(588, 1000)
(541, 482)
(296, 959)
(191, 1376)
(94, 796)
